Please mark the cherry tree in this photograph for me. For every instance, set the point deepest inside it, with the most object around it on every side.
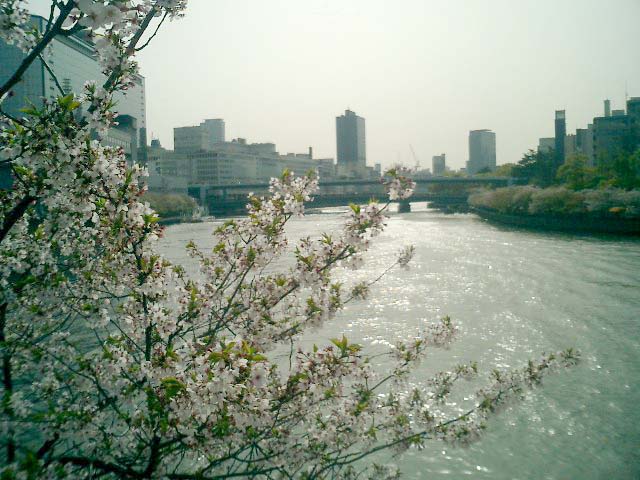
(118, 364)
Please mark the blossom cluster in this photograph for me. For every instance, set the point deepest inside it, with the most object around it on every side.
(14, 28)
(398, 183)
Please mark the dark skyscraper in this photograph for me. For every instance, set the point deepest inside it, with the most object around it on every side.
(561, 132)
(633, 109)
(350, 139)
(618, 133)
(439, 164)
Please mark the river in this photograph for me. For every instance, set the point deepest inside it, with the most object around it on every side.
(514, 294)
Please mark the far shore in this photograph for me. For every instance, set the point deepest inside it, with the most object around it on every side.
(583, 223)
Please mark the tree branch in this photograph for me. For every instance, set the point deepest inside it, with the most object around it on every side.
(131, 48)
(53, 75)
(15, 215)
(166, 14)
(7, 384)
(38, 49)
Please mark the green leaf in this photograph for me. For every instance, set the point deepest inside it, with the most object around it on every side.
(251, 255)
(172, 386)
(31, 110)
(343, 345)
(68, 102)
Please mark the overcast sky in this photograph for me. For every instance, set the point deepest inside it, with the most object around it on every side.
(421, 72)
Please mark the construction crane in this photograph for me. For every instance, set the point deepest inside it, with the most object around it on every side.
(415, 157)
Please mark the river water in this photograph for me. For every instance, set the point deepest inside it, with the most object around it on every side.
(514, 294)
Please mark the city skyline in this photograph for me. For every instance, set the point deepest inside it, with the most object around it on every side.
(255, 300)
(423, 75)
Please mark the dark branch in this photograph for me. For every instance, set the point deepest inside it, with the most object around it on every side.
(166, 14)
(53, 75)
(39, 48)
(52, 12)
(7, 384)
(131, 48)
(15, 215)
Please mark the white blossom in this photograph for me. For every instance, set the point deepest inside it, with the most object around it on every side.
(124, 365)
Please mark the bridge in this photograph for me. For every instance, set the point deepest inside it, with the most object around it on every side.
(228, 199)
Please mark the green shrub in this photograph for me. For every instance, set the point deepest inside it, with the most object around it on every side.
(505, 200)
(529, 200)
(613, 201)
(170, 204)
(557, 201)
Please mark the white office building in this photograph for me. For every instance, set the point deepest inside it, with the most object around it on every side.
(203, 137)
(482, 151)
(73, 61)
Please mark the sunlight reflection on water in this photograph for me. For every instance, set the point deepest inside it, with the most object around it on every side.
(514, 294)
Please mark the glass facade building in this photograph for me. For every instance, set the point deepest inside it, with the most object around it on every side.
(350, 139)
(73, 61)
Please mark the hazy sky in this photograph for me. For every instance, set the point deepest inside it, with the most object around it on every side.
(420, 72)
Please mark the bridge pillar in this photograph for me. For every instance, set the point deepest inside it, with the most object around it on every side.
(404, 206)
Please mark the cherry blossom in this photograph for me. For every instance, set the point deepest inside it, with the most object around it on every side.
(118, 364)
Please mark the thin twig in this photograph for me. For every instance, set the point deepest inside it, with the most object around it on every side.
(53, 75)
(166, 14)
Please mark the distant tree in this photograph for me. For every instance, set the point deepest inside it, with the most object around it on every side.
(622, 171)
(537, 167)
(170, 205)
(576, 174)
(484, 171)
(505, 170)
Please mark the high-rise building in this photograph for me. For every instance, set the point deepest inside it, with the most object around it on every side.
(633, 109)
(439, 165)
(584, 143)
(617, 133)
(561, 132)
(214, 130)
(570, 145)
(73, 61)
(482, 151)
(351, 141)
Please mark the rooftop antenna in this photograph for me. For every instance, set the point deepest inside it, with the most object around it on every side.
(415, 158)
(626, 91)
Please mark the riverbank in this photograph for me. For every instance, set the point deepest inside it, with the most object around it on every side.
(583, 223)
(183, 219)
(612, 211)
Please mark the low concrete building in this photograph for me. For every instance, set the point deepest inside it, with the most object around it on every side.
(227, 163)
(546, 144)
